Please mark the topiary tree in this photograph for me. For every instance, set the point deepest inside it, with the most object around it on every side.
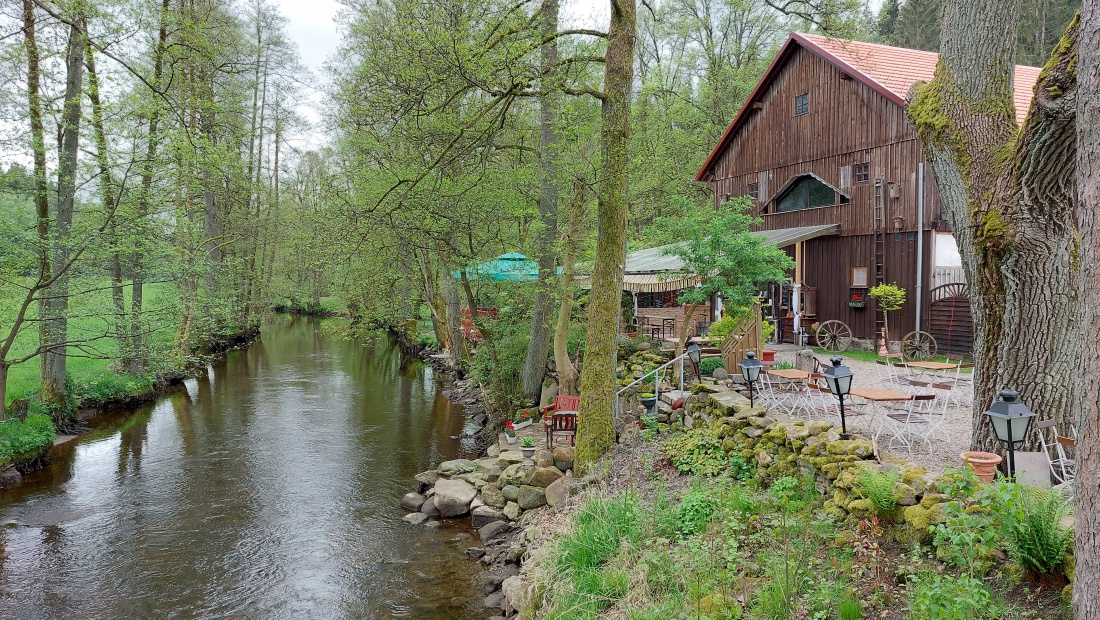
(889, 297)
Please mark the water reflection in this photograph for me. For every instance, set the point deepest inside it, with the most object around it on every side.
(265, 489)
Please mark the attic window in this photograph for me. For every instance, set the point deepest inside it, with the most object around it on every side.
(801, 104)
(806, 192)
(753, 191)
(862, 172)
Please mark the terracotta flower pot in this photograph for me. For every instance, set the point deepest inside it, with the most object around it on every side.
(983, 464)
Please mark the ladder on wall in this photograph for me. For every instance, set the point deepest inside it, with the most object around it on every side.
(880, 246)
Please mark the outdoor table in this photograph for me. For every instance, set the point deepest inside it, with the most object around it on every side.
(932, 365)
(790, 374)
(794, 389)
(876, 395)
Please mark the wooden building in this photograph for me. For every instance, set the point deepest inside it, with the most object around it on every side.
(824, 139)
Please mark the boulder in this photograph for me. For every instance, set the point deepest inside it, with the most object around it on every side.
(427, 478)
(543, 477)
(492, 530)
(490, 468)
(492, 496)
(720, 374)
(456, 467)
(412, 501)
(493, 451)
(544, 458)
(510, 492)
(494, 600)
(485, 515)
(510, 457)
(512, 511)
(453, 497)
(428, 507)
(563, 457)
(415, 518)
(514, 475)
(517, 594)
(531, 497)
(558, 491)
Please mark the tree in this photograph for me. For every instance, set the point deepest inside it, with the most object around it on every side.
(595, 424)
(1086, 581)
(888, 19)
(888, 298)
(1008, 193)
(729, 259)
(918, 25)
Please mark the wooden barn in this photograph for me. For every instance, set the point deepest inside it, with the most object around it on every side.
(824, 139)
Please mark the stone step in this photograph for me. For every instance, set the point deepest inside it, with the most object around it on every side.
(671, 396)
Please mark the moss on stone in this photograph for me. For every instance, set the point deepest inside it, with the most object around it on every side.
(918, 518)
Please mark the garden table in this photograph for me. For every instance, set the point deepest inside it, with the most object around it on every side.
(876, 395)
(791, 391)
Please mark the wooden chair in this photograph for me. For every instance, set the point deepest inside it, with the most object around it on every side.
(561, 425)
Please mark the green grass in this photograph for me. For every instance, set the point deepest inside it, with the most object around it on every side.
(866, 356)
(26, 437)
(90, 371)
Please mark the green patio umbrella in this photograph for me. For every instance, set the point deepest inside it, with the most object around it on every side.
(510, 267)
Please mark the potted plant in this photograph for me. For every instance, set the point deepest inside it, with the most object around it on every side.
(523, 419)
(527, 447)
(510, 431)
(983, 464)
(648, 399)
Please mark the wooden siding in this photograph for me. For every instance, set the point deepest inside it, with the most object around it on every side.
(827, 263)
(848, 123)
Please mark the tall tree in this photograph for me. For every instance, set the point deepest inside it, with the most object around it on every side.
(1008, 192)
(595, 423)
(1086, 581)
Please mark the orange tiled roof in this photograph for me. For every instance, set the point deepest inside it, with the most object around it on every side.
(891, 71)
(897, 68)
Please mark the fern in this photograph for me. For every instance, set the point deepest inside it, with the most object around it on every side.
(879, 488)
(1039, 542)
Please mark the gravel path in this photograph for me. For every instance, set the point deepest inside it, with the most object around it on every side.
(952, 438)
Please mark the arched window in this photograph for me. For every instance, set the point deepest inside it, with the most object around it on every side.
(806, 191)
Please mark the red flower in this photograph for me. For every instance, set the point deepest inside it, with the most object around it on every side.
(508, 425)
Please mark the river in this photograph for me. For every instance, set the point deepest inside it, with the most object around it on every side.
(268, 489)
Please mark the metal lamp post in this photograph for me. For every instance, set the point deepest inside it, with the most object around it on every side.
(750, 371)
(695, 354)
(839, 378)
(1011, 420)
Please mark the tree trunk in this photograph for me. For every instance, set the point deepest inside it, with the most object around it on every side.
(38, 146)
(684, 329)
(595, 422)
(534, 365)
(567, 373)
(456, 340)
(1086, 582)
(4, 366)
(137, 294)
(55, 377)
(1008, 193)
(106, 182)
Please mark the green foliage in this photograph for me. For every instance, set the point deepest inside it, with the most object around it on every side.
(736, 262)
(943, 597)
(21, 438)
(697, 452)
(849, 609)
(720, 330)
(527, 442)
(498, 361)
(878, 487)
(889, 297)
(697, 509)
(1038, 541)
(710, 364)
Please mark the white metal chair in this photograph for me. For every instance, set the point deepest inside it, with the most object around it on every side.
(915, 420)
(1062, 467)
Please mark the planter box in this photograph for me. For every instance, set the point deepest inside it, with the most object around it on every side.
(521, 425)
(767, 355)
(510, 438)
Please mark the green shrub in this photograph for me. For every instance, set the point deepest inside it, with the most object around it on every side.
(720, 330)
(710, 364)
(697, 452)
(849, 609)
(1038, 541)
(26, 437)
(878, 487)
(602, 525)
(697, 509)
(939, 597)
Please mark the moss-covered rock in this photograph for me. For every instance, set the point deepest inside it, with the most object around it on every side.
(917, 518)
(904, 495)
(862, 508)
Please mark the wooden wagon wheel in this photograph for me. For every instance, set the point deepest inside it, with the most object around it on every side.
(918, 346)
(834, 336)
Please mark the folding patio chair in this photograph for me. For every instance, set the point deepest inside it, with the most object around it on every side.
(1062, 467)
(910, 422)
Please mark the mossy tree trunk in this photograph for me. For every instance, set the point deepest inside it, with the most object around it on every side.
(595, 423)
(1086, 583)
(567, 373)
(534, 364)
(1008, 192)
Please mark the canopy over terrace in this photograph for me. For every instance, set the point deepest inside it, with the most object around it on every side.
(510, 267)
(657, 277)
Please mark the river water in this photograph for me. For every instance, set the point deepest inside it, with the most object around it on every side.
(268, 489)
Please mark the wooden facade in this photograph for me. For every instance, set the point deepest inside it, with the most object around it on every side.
(855, 137)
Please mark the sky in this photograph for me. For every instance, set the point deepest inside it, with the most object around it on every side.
(311, 24)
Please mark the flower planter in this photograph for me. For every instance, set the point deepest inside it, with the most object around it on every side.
(649, 402)
(983, 464)
(854, 303)
(767, 355)
(519, 425)
(528, 452)
(511, 438)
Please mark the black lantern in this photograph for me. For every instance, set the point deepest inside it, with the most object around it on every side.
(1011, 420)
(839, 378)
(694, 352)
(750, 371)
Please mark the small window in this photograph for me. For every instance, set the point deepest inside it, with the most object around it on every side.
(862, 172)
(801, 104)
(860, 276)
(753, 191)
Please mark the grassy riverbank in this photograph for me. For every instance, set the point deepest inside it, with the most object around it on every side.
(648, 543)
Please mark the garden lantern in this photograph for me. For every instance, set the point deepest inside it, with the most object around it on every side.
(695, 353)
(1011, 420)
(839, 378)
(750, 371)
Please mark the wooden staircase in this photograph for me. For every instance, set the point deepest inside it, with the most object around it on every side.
(747, 336)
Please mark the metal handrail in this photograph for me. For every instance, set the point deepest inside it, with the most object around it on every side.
(656, 381)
